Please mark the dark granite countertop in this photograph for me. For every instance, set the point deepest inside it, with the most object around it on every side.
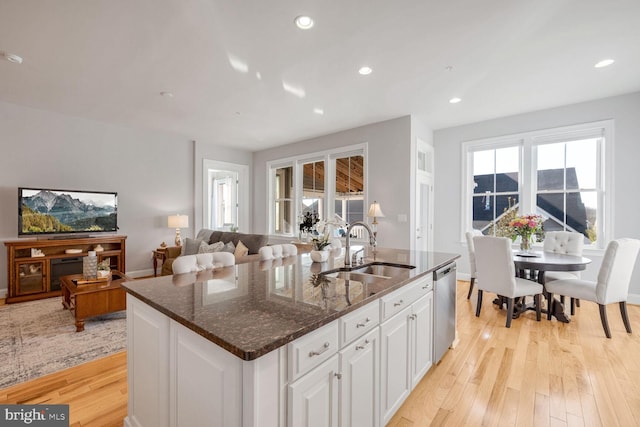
(251, 309)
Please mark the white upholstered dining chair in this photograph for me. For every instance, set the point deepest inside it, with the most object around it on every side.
(612, 284)
(472, 257)
(496, 273)
(568, 243)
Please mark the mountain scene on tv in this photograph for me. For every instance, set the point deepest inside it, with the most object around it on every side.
(45, 211)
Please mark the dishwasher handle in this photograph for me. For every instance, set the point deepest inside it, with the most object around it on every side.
(448, 269)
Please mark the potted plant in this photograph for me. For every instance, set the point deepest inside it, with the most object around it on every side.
(104, 269)
(321, 243)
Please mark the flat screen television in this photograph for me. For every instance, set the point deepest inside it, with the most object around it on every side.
(66, 212)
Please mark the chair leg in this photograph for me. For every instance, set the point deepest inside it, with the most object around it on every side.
(577, 302)
(603, 319)
(537, 299)
(509, 312)
(479, 304)
(549, 305)
(625, 316)
(473, 280)
(573, 306)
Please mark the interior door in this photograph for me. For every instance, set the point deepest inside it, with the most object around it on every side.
(424, 197)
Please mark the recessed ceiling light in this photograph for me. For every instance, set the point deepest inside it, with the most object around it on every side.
(318, 111)
(12, 58)
(365, 71)
(166, 94)
(454, 100)
(604, 63)
(303, 22)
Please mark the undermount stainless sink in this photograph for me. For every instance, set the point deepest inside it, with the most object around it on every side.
(375, 276)
(383, 269)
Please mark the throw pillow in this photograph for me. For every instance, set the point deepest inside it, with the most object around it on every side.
(214, 247)
(229, 247)
(241, 249)
(191, 246)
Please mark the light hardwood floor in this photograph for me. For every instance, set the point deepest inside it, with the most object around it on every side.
(533, 374)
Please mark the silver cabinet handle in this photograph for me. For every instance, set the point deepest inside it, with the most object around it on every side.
(413, 316)
(361, 347)
(362, 325)
(395, 304)
(324, 348)
(425, 287)
(338, 375)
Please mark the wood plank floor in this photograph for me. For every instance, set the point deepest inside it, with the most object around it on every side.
(533, 374)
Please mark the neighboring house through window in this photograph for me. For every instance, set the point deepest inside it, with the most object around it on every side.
(557, 173)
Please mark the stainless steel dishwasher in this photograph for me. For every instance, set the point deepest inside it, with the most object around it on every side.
(444, 288)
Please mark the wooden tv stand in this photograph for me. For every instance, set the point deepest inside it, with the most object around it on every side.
(36, 277)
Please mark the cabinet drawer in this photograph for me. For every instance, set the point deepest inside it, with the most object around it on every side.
(397, 301)
(361, 321)
(312, 349)
(423, 285)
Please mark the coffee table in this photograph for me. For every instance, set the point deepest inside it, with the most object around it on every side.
(93, 299)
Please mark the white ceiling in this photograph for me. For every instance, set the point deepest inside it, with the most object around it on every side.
(109, 59)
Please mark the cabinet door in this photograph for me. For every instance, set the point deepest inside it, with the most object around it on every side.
(313, 399)
(360, 382)
(31, 277)
(203, 375)
(422, 337)
(147, 365)
(395, 379)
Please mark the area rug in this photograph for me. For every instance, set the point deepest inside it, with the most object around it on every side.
(39, 337)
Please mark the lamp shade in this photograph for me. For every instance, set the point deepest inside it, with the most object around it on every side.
(375, 211)
(178, 221)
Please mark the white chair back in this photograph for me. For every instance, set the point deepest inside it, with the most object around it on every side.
(277, 251)
(615, 272)
(494, 265)
(472, 252)
(200, 262)
(563, 242)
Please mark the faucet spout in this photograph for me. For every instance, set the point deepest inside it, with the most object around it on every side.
(372, 239)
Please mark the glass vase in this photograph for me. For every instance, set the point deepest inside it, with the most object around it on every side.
(525, 244)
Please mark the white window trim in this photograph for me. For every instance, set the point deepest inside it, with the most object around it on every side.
(527, 140)
(297, 162)
(243, 192)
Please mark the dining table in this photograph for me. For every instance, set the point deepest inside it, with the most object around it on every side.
(533, 265)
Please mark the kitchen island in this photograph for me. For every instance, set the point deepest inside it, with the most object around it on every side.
(280, 343)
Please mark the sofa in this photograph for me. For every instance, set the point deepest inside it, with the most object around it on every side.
(246, 251)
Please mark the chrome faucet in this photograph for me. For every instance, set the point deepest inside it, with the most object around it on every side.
(372, 239)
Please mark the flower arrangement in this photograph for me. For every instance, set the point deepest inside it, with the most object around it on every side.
(321, 240)
(308, 221)
(526, 226)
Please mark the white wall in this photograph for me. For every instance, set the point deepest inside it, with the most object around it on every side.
(153, 173)
(389, 147)
(624, 110)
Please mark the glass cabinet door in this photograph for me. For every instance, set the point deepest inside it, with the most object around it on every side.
(30, 277)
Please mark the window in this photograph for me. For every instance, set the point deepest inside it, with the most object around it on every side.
(225, 195)
(283, 200)
(496, 177)
(320, 184)
(556, 173)
(349, 188)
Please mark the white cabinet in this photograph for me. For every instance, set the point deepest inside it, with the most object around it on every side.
(422, 337)
(313, 399)
(360, 381)
(176, 377)
(395, 381)
(406, 341)
(147, 365)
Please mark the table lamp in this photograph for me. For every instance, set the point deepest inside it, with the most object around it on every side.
(178, 222)
(375, 212)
